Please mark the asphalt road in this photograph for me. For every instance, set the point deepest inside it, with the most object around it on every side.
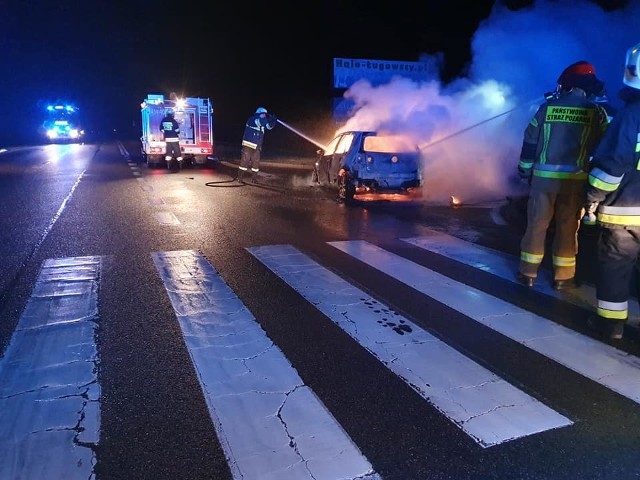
(267, 331)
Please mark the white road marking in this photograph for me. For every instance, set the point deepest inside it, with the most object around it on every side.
(504, 265)
(167, 218)
(270, 424)
(595, 360)
(487, 408)
(123, 150)
(49, 391)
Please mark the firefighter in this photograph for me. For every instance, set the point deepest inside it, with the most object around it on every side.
(613, 193)
(171, 131)
(252, 142)
(554, 160)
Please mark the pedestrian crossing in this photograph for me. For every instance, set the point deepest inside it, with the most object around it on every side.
(484, 406)
(503, 265)
(270, 424)
(287, 432)
(49, 392)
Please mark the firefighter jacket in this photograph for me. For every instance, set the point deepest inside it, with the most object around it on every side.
(560, 139)
(170, 129)
(254, 130)
(614, 180)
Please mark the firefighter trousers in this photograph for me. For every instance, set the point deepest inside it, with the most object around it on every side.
(618, 250)
(249, 159)
(564, 209)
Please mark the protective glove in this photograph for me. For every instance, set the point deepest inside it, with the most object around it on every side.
(525, 175)
(589, 217)
(525, 179)
(273, 119)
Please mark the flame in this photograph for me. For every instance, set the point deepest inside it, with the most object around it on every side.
(455, 201)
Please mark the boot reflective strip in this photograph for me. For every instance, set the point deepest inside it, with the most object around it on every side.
(613, 310)
(255, 170)
(531, 258)
(564, 261)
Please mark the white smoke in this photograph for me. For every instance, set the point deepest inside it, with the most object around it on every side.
(470, 130)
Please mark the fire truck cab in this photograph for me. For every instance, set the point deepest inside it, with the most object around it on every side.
(194, 115)
(63, 124)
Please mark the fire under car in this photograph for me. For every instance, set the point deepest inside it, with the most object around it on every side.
(367, 165)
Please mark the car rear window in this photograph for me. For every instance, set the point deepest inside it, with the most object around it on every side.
(388, 144)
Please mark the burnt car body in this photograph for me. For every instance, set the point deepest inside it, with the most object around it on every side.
(364, 162)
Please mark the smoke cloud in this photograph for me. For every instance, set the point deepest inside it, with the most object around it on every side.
(470, 130)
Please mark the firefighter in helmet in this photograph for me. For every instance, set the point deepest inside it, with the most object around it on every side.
(613, 197)
(252, 142)
(171, 132)
(554, 160)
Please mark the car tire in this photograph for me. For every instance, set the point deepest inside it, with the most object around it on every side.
(346, 189)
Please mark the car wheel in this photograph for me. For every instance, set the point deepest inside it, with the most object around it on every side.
(346, 189)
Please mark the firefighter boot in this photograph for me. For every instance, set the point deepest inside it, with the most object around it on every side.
(240, 175)
(567, 284)
(611, 329)
(254, 177)
(525, 280)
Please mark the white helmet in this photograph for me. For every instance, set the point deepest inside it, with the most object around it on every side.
(632, 67)
(261, 110)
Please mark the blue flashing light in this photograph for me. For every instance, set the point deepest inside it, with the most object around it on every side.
(61, 108)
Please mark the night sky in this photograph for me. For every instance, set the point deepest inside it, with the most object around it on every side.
(105, 56)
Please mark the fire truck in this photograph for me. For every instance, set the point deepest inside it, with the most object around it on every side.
(62, 124)
(194, 115)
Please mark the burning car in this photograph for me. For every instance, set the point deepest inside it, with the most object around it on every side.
(364, 162)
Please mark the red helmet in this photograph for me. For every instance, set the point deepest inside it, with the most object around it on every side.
(582, 75)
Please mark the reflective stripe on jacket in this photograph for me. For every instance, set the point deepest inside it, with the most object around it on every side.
(254, 131)
(561, 137)
(614, 180)
(170, 128)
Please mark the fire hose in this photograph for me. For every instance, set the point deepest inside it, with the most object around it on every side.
(427, 145)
